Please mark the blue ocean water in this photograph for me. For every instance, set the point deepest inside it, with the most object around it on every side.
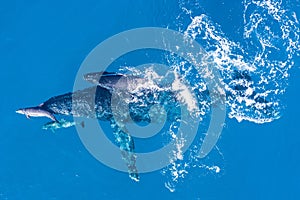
(43, 44)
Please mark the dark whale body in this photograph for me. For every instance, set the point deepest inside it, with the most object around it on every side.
(95, 102)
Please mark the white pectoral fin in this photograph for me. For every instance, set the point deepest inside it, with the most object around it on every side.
(27, 116)
(106, 87)
(53, 118)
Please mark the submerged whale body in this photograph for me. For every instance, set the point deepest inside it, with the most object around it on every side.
(95, 102)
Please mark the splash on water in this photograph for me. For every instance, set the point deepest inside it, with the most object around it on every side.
(254, 69)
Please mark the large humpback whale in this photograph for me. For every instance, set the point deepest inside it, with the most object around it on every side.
(95, 102)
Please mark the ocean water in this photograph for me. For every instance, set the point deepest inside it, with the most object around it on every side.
(43, 44)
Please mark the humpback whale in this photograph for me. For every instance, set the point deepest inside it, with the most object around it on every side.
(95, 102)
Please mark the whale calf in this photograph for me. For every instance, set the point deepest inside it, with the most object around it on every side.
(37, 111)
